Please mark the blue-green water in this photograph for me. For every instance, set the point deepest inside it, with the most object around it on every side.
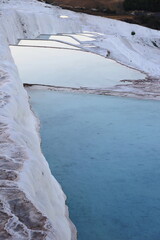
(105, 152)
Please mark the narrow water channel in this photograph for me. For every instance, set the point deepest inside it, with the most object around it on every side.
(104, 151)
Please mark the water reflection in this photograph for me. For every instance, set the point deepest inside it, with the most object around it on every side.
(69, 68)
(46, 43)
(64, 39)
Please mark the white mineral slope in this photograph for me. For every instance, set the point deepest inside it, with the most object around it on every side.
(32, 203)
(29, 18)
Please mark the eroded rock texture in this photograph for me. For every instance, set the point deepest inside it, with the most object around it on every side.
(19, 218)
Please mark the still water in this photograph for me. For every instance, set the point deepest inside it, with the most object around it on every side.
(67, 39)
(105, 152)
(69, 68)
(45, 43)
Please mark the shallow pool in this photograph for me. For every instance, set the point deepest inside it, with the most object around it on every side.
(69, 68)
(45, 43)
(105, 152)
(82, 38)
(64, 38)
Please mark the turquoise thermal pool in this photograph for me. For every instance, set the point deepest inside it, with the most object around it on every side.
(69, 68)
(104, 151)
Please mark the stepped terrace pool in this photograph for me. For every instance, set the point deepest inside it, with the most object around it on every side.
(105, 152)
(68, 39)
(45, 43)
(69, 68)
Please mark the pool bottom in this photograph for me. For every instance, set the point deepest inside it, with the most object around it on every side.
(104, 151)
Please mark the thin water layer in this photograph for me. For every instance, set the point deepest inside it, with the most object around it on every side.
(82, 38)
(45, 43)
(69, 68)
(66, 39)
(43, 36)
(104, 151)
(95, 33)
(88, 34)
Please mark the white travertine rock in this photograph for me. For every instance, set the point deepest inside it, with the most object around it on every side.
(32, 203)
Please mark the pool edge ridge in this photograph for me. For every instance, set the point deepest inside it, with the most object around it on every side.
(123, 90)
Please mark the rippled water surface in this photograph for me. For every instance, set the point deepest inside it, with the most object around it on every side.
(105, 152)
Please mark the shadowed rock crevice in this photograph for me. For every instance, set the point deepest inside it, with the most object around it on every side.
(20, 219)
